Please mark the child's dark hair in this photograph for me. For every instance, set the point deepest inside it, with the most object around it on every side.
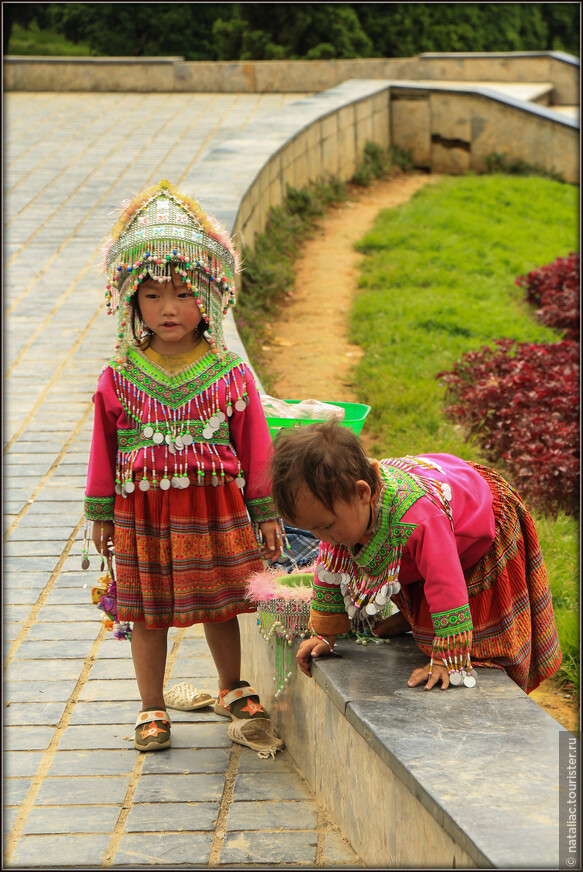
(328, 458)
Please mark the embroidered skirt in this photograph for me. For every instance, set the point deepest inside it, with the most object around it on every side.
(509, 597)
(183, 556)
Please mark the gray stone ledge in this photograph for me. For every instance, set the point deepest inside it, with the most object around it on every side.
(412, 88)
(556, 55)
(475, 772)
(93, 61)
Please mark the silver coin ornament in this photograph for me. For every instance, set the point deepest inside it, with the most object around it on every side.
(187, 439)
(455, 678)
(240, 481)
(165, 484)
(214, 422)
(214, 480)
(240, 405)
(129, 487)
(158, 437)
(148, 432)
(221, 416)
(371, 609)
(351, 611)
(168, 439)
(118, 489)
(144, 485)
(179, 443)
(175, 481)
(207, 433)
(470, 681)
(171, 448)
(229, 410)
(396, 587)
(184, 482)
(85, 564)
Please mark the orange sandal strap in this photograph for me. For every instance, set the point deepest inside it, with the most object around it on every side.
(228, 697)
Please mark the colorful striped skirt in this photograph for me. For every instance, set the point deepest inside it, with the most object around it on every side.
(509, 597)
(183, 556)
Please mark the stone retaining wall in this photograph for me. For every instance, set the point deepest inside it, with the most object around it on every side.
(462, 778)
(175, 74)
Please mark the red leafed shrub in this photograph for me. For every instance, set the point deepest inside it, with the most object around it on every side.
(521, 401)
(554, 288)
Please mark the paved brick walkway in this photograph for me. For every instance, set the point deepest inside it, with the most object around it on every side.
(76, 793)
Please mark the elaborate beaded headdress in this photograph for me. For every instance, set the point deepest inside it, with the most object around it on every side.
(160, 228)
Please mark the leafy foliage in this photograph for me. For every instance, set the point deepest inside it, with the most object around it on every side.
(521, 402)
(516, 166)
(265, 31)
(555, 290)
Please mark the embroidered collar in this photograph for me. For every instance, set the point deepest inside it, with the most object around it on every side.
(381, 553)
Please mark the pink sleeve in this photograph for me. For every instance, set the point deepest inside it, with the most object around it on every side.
(433, 549)
(108, 416)
(252, 441)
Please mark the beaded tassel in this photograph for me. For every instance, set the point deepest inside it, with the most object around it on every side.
(459, 672)
(280, 621)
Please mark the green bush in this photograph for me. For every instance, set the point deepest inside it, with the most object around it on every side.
(266, 31)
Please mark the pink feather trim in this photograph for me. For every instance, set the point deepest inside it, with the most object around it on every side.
(264, 586)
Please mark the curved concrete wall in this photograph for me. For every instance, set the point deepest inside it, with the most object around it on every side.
(449, 130)
(175, 74)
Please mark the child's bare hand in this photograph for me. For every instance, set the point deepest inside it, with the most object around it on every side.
(310, 648)
(271, 549)
(439, 673)
(102, 535)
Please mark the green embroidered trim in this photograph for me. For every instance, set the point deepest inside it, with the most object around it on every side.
(326, 599)
(452, 621)
(261, 509)
(99, 508)
(175, 390)
(132, 439)
(385, 547)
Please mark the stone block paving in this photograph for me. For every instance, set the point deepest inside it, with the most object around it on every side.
(76, 793)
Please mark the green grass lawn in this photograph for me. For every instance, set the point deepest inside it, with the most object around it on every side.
(32, 41)
(438, 280)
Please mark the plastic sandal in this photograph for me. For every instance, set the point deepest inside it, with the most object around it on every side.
(152, 730)
(186, 698)
(257, 734)
(240, 692)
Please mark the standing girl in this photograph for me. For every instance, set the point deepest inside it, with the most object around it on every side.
(176, 477)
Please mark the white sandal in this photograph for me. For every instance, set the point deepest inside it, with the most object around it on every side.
(257, 734)
(186, 698)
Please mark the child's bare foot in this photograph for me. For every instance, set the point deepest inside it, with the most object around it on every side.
(395, 625)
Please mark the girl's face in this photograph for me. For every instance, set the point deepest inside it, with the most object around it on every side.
(171, 313)
(346, 525)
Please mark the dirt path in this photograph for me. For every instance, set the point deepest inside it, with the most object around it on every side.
(316, 316)
(309, 351)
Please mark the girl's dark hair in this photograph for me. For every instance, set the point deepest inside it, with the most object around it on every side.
(327, 458)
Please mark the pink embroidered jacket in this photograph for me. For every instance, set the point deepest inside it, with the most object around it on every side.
(202, 424)
(431, 533)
